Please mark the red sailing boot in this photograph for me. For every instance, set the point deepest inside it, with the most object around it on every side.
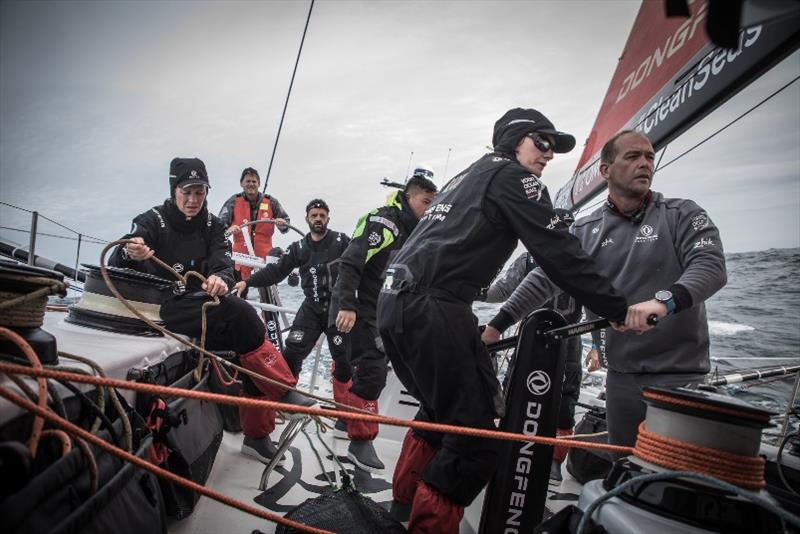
(341, 394)
(433, 513)
(257, 425)
(362, 434)
(559, 455)
(415, 456)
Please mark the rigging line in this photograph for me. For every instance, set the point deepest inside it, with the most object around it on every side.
(286, 104)
(52, 221)
(729, 124)
(89, 240)
(15, 207)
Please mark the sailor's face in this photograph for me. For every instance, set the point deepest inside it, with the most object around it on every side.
(317, 220)
(190, 200)
(631, 173)
(419, 202)
(250, 185)
(533, 159)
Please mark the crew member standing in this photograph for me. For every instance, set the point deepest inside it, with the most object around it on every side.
(425, 309)
(251, 205)
(316, 256)
(665, 250)
(378, 235)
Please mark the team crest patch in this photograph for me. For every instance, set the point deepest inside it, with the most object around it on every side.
(373, 239)
(337, 340)
(296, 335)
(178, 267)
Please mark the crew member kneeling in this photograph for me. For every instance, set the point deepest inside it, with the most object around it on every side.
(182, 233)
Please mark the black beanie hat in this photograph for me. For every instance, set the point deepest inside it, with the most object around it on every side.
(317, 203)
(184, 172)
(517, 122)
(249, 170)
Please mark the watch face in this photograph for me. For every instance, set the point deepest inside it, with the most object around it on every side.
(663, 295)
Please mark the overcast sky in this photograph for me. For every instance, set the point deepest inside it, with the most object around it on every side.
(97, 97)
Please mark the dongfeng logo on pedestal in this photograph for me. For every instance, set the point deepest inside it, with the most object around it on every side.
(538, 383)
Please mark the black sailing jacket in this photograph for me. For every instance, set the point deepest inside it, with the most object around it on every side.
(198, 244)
(316, 261)
(378, 235)
(467, 235)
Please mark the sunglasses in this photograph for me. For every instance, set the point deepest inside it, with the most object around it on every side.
(542, 143)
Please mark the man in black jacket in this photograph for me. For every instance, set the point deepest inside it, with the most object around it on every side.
(183, 234)
(315, 255)
(426, 320)
(377, 236)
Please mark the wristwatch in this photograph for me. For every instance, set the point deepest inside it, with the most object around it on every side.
(665, 297)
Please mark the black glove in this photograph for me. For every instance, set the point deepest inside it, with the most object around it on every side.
(293, 279)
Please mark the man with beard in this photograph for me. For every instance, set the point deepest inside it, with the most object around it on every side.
(378, 235)
(182, 233)
(665, 250)
(252, 205)
(425, 310)
(315, 255)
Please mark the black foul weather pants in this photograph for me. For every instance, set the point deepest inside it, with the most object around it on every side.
(436, 351)
(368, 359)
(233, 325)
(309, 323)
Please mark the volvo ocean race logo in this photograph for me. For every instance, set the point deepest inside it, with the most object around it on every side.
(699, 221)
(532, 186)
(538, 382)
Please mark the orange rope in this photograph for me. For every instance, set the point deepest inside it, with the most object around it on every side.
(38, 422)
(677, 455)
(273, 405)
(744, 471)
(139, 462)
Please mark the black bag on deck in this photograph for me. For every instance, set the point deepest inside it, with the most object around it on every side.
(164, 373)
(586, 464)
(343, 510)
(59, 500)
(193, 441)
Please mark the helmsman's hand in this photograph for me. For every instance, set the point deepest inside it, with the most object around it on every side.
(239, 287)
(137, 250)
(490, 334)
(215, 286)
(345, 320)
(636, 319)
(592, 360)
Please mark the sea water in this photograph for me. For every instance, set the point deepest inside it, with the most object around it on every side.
(754, 322)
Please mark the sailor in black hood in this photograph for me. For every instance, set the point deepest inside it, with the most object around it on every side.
(183, 234)
(425, 316)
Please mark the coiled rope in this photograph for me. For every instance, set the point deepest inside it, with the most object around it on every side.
(27, 310)
(679, 455)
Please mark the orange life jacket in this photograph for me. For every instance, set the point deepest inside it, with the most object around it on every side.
(260, 234)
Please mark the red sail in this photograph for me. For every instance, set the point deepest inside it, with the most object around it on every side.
(670, 76)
